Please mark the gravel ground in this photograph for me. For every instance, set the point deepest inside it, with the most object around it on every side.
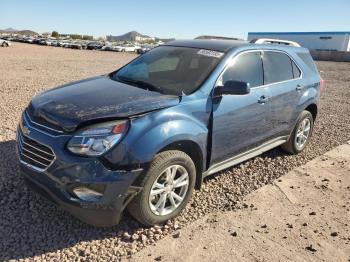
(304, 216)
(33, 229)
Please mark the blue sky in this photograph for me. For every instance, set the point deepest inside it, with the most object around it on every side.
(177, 18)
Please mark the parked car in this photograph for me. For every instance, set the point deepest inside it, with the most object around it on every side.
(29, 40)
(54, 43)
(65, 43)
(4, 43)
(77, 45)
(144, 136)
(144, 48)
(45, 42)
(109, 48)
(127, 48)
(94, 46)
(36, 41)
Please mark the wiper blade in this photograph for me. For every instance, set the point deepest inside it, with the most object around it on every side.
(141, 84)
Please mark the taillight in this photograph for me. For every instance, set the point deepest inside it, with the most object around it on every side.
(321, 85)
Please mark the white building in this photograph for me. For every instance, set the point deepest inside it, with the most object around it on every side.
(139, 38)
(314, 41)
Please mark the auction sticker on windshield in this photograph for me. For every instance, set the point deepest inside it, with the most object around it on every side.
(210, 53)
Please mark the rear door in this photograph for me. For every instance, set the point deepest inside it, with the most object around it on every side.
(283, 79)
(239, 121)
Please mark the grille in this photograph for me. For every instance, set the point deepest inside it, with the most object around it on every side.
(40, 123)
(33, 153)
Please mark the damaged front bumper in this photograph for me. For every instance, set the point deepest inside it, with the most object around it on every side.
(56, 174)
(105, 211)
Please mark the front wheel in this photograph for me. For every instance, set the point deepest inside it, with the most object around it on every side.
(301, 133)
(167, 187)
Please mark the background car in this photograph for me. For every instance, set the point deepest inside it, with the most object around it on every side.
(127, 48)
(144, 49)
(4, 43)
(94, 46)
(45, 42)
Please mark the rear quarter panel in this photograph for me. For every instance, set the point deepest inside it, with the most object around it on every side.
(310, 82)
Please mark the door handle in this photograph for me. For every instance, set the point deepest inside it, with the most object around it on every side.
(263, 99)
(299, 87)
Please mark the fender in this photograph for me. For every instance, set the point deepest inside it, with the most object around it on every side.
(151, 133)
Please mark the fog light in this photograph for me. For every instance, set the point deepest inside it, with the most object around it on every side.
(87, 194)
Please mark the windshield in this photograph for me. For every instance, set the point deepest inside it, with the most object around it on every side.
(170, 70)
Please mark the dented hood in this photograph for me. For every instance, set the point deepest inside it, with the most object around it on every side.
(68, 106)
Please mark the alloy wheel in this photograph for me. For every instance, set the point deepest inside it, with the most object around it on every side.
(303, 133)
(169, 190)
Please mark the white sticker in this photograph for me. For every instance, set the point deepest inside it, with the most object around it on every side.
(210, 53)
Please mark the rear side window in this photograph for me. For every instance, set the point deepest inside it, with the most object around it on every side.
(296, 70)
(306, 57)
(277, 67)
(245, 68)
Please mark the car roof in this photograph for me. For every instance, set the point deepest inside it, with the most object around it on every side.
(209, 44)
(226, 45)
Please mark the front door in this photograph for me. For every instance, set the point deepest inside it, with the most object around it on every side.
(240, 121)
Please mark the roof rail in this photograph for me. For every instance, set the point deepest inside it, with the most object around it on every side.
(274, 41)
(217, 37)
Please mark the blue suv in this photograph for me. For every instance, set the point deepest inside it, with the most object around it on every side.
(143, 137)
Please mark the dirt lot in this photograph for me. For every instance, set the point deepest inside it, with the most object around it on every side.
(303, 216)
(32, 228)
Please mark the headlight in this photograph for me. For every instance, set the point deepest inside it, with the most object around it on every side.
(97, 139)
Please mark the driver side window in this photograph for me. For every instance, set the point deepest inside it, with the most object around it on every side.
(247, 67)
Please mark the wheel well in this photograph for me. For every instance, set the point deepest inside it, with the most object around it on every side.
(194, 152)
(313, 110)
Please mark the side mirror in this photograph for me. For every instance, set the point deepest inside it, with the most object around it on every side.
(232, 88)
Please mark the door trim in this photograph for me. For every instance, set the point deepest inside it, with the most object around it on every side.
(245, 155)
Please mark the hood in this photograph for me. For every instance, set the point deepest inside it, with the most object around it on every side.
(68, 106)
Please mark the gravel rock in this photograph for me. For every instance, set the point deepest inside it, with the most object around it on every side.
(126, 236)
(334, 234)
(32, 228)
(311, 248)
(177, 234)
(234, 234)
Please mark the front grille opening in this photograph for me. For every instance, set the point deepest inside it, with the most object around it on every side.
(34, 153)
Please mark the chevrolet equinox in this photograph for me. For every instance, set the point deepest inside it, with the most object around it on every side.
(144, 136)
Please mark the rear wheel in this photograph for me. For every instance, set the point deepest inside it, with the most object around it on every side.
(167, 187)
(4, 44)
(301, 134)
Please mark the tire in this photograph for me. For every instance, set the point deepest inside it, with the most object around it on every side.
(4, 44)
(143, 206)
(292, 146)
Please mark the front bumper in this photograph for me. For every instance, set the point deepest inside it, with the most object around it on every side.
(67, 171)
(105, 212)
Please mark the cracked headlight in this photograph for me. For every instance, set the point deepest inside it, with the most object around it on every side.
(97, 139)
